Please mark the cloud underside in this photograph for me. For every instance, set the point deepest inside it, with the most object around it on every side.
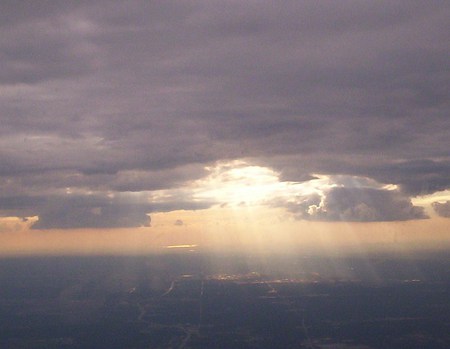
(355, 205)
(442, 208)
(322, 198)
(92, 211)
(113, 99)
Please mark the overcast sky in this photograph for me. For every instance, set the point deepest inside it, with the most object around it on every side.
(104, 104)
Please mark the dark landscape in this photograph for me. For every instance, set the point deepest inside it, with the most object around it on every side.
(193, 300)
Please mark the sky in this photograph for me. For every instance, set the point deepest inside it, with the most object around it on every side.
(126, 125)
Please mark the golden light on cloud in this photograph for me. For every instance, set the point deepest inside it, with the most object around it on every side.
(244, 213)
(16, 224)
(237, 183)
(427, 200)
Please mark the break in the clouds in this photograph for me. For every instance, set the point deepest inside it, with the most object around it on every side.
(134, 97)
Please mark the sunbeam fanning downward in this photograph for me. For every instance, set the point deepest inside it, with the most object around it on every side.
(245, 205)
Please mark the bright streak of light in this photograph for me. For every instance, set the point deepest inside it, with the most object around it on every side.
(181, 246)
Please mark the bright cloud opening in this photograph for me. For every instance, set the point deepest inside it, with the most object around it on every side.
(239, 184)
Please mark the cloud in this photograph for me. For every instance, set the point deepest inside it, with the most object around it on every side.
(74, 214)
(47, 47)
(366, 205)
(417, 177)
(353, 204)
(442, 209)
(16, 224)
(95, 97)
(70, 211)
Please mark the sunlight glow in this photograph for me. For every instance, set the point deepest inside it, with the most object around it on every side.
(238, 183)
(246, 206)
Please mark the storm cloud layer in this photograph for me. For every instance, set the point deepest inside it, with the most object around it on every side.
(102, 99)
(442, 208)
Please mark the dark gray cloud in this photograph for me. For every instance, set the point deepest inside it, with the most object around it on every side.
(442, 208)
(91, 210)
(418, 177)
(415, 177)
(116, 97)
(356, 205)
(43, 41)
(72, 215)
